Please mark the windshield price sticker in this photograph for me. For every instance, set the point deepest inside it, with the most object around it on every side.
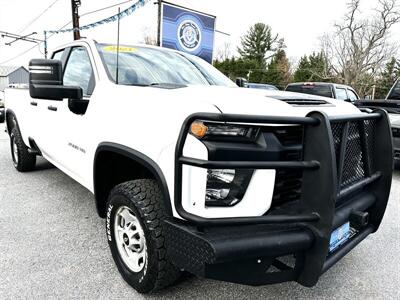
(120, 49)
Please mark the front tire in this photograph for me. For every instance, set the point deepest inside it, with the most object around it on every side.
(23, 160)
(135, 212)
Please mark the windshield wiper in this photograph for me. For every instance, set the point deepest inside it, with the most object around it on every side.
(167, 85)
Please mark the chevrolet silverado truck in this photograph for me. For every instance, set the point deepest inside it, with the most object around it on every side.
(192, 173)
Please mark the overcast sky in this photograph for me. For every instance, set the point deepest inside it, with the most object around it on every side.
(300, 23)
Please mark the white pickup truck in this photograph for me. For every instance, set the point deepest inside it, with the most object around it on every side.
(193, 173)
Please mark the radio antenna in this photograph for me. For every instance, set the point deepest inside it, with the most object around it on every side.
(117, 69)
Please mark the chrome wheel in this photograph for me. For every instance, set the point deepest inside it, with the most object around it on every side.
(14, 151)
(130, 239)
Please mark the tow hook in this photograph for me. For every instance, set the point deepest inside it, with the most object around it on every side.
(359, 219)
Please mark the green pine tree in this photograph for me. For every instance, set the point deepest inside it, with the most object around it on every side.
(278, 71)
(234, 68)
(387, 78)
(302, 72)
(313, 68)
(258, 41)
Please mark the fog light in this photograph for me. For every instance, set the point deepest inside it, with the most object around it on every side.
(221, 175)
(226, 187)
(217, 194)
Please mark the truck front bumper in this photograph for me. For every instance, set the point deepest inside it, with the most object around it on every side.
(347, 165)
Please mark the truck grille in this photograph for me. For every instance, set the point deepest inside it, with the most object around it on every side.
(354, 162)
(287, 186)
(353, 165)
(396, 132)
(288, 182)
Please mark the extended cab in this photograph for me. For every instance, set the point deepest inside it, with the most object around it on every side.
(193, 173)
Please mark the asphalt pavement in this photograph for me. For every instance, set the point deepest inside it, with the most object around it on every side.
(53, 245)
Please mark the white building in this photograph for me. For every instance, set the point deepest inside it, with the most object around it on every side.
(13, 75)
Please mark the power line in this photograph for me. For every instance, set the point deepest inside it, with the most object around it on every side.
(104, 8)
(65, 25)
(37, 17)
(33, 47)
(19, 55)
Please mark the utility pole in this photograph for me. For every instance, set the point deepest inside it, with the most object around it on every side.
(75, 18)
(45, 44)
(373, 91)
(159, 2)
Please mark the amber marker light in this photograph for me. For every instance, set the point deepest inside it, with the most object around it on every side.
(198, 129)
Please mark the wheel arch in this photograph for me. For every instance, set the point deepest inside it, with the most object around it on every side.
(127, 164)
(11, 121)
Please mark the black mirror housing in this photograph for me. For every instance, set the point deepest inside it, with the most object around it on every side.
(46, 81)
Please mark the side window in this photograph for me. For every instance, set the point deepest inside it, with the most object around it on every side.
(58, 54)
(78, 71)
(352, 95)
(341, 94)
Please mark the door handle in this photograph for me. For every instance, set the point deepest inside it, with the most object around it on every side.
(52, 108)
(33, 103)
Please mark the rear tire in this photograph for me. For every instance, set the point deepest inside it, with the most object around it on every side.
(23, 160)
(135, 212)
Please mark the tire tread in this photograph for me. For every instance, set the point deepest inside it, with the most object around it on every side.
(147, 198)
(26, 160)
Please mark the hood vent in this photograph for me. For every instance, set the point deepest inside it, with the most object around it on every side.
(299, 99)
(304, 102)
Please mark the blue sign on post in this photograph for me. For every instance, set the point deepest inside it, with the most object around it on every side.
(187, 30)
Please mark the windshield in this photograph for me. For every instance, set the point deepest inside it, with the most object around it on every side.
(144, 66)
(318, 90)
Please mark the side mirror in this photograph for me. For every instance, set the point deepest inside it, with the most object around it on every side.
(241, 82)
(46, 81)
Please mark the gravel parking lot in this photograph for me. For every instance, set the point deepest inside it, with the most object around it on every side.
(52, 245)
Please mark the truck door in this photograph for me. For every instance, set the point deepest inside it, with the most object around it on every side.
(74, 128)
(45, 119)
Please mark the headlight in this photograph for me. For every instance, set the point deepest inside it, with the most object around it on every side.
(226, 187)
(216, 130)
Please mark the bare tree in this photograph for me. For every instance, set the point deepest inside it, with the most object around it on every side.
(149, 37)
(224, 52)
(361, 46)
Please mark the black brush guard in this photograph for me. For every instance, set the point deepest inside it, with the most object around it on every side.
(347, 171)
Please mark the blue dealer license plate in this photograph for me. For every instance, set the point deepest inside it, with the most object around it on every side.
(339, 236)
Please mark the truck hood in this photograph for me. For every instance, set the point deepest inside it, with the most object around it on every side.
(262, 102)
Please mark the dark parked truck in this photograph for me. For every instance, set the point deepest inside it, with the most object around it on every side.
(325, 89)
(392, 105)
(394, 93)
(193, 173)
